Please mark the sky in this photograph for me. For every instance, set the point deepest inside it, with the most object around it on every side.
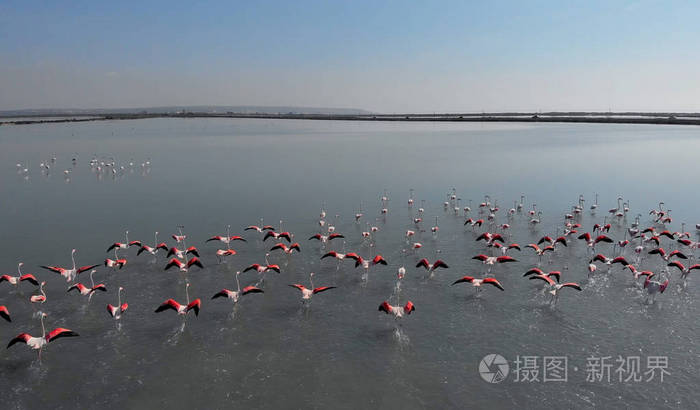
(383, 56)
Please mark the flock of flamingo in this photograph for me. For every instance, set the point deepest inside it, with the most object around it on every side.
(100, 166)
(651, 252)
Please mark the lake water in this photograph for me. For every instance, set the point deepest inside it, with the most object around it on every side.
(270, 351)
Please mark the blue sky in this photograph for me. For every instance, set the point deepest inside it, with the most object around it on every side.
(386, 56)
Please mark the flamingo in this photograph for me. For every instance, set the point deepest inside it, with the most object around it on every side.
(222, 253)
(490, 238)
(84, 290)
(638, 273)
(538, 271)
(124, 245)
(339, 257)
(236, 294)
(556, 287)
(5, 313)
(431, 267)
(476, 283)
(275, 235)
(259, 229)
(410, 197)
(117, 311)
(592, 242)
(181, 237)
(307, 293)
(595, 204)
(180, 254)
(285, 235)
(435, 228)
(654, 287)
(539, 252)
(324, 238)
(684, 271)
(15, 280)
(115, 263)
(610, 261)
(70, 274)
(263, 268)
(226, 239)
(155, 249)
(184, 267)
(181, 310)
(287, 249)
(661, 252)
(491, 260)
(39, 298)
(505, 249)
(397, 311)
(474, 223)
(38, 343)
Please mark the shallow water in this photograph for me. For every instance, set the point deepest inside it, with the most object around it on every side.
(271, 351)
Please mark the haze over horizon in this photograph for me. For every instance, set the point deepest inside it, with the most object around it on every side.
(383, 57)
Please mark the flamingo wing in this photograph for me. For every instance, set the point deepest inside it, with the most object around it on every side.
(544, 278)
(168, 304)
(333, 254)
(494, 282)
(556, 274)
(29, 278)
(279, 246)
(504, 259)
(409, 307)
(22, 337)
(572, 285)
(424, 263)
(251, 289)
(480, 257)
(195, 262)
(385, 307)
(173, 262)
(223, 293)
(322, 289)
(463, 279)
(678, 265)
(5, 313)
(60, 332)
(194, 305)
(298, 286)
(621, 260)
(379, 259)
(535, 271)
(53, 268)
(678, 254)
(439, 264)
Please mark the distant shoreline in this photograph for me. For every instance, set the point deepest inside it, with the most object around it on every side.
(592, 117)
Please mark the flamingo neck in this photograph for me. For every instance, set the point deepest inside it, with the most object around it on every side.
(119, 298)
(43, 329)
(238, 283)
(187, 292)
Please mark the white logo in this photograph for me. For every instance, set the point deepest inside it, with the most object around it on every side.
(494, 368)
